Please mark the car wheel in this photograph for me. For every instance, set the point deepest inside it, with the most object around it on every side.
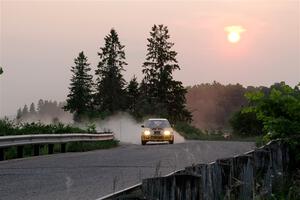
(171, 141)
(144, 142)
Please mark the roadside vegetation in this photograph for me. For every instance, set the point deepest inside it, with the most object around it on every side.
(9, 127)
(275, 114)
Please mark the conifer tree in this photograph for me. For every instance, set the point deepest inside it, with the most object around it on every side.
(79, 97)
(25, 111)
(165, 96)
(110, 93)
(19, 114)
(32, 109)
(132, 95)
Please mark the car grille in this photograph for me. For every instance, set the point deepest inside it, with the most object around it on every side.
(156, 132)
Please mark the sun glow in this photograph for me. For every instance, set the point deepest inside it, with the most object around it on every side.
(234, 32)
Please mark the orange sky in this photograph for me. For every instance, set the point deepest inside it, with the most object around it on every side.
(39, 41)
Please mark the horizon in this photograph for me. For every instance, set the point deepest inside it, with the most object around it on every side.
(35, 43)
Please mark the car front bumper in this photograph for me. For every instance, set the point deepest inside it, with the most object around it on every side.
(157, 138)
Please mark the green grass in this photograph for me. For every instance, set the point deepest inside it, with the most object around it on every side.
(11, 153)
(190, 132)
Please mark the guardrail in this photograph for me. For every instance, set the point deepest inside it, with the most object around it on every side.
(50, 139)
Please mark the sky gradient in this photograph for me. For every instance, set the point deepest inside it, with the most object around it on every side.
(39, 41)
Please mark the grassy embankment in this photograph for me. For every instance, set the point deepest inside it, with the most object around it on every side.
(8, 128)
(190, 132)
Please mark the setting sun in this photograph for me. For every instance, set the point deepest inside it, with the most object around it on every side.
(234, 32)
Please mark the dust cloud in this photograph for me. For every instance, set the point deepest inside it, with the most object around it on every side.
(126, 129)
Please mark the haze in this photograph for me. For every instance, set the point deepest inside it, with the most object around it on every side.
(39, 41)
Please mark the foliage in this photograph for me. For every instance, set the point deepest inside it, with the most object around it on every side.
(133, 94)
(279, 111)
(110, 93)
(79, 98)
(165, 96)
(190, 132)
(50, 111)
(246, 124)
(8, 127)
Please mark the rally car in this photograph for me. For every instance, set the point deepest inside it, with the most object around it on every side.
(157, 130)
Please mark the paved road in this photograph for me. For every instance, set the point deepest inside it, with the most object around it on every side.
(90, 175)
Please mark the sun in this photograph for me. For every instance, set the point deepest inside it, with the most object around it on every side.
(233, 33)
(233, 37)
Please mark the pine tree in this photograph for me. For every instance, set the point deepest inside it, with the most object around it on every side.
(19, 114)
(165, 96)
(32, 109)
(25, 111)
(110, 94)
(132, 95)
(79, 98)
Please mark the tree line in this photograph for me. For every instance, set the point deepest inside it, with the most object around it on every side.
(45, 110)
(158, 94)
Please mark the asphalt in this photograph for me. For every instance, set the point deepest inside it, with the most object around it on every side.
(90, 175)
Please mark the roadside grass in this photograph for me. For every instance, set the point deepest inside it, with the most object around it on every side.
(190, 132)
(11, 153)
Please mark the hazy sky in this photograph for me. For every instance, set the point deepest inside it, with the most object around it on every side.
(39, 41)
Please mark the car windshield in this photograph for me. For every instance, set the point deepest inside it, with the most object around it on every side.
(157, 124)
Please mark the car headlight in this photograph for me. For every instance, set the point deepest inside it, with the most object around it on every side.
(167, 132)
(146, 132)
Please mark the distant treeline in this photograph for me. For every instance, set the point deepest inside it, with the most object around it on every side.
(213, 105)
(45, 111)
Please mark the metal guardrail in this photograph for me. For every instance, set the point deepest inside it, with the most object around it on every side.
(17, 140)
(50, 139)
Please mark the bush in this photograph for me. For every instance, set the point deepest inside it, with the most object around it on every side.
(8, 127)
(188, 131)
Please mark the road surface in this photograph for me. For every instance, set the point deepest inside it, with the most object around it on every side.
(90, 175)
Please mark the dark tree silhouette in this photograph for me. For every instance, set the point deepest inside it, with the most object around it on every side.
(32, 109)
(132, 95)
(79, 98)
(165, 96)
(110, 94)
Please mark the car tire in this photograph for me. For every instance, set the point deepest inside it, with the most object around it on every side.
(171, 141)
(144, 142)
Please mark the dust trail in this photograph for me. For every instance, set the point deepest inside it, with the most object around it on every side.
(126, 129)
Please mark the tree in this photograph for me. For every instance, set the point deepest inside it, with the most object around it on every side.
(161, 91)
(79, 97)
(278, 110)
(110, 94)
(132, 95)
(25, 111)
(32, 109)
(1, 70)
(19, 114)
